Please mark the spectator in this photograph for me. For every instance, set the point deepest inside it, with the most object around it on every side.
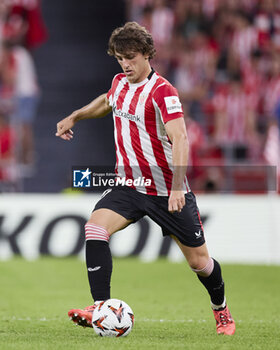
(7, 79)
(253, 73)
(146, 18)
(235, 121)
(196, 141)
(135, 8)
(223, 57)
(244, 40)
(4, 10)
(272, 89)
(210, 7)
(195, 73)
(267, 23)
(7, 131)
(191, 84)
(6, 149)
(272, 149)
(24, 24)
(23, 84)
(162, 23)
(192, 21)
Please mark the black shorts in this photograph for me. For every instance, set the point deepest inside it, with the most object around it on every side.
(133, 205)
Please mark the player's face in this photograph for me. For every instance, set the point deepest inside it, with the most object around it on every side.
(135, 66)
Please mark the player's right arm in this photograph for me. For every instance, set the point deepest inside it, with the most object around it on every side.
(98, 108)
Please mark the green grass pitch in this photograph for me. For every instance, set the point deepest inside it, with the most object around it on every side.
(171, 307)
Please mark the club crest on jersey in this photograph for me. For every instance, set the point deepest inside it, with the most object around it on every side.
(142, 98)
(173, 104)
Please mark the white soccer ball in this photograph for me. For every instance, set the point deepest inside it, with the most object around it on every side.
(112, 318)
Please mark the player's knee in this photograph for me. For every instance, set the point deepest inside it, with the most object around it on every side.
(195, 264)
(203, 267)
(96, 232)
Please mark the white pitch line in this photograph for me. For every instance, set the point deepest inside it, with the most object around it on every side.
(41, 319)
(163, 320)
(44, 319)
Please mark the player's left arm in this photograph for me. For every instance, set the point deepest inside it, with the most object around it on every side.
(177, 133)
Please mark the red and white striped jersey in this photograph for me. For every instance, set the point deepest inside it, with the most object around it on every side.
(162, 25)
(271, 95)
(143, 149)
(268, 28)
(244, 42)
(235, 108)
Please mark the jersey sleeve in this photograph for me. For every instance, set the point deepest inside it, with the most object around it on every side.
(110, 93)
(167, 102)
(109, 97)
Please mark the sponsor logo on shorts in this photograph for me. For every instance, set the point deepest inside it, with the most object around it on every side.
(198, 234)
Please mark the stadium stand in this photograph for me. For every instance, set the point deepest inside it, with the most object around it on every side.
(223, 57)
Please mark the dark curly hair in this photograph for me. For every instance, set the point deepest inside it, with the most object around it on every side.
(131, 38)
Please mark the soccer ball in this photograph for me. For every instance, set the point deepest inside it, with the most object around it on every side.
(112, 318)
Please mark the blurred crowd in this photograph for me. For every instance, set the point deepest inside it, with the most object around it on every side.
(21, 31)
(223, 56)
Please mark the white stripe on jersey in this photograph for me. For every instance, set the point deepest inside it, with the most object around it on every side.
(118, 153)
(125, 131)
(146, 144)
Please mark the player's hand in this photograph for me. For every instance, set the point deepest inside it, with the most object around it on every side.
(176, 201)
(64, 128)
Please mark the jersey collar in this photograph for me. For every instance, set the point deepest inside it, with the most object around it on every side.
(143, 82)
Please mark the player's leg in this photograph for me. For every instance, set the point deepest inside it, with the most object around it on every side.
(101, 225)
(186, 227)
(209, 273)
(114, 211)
